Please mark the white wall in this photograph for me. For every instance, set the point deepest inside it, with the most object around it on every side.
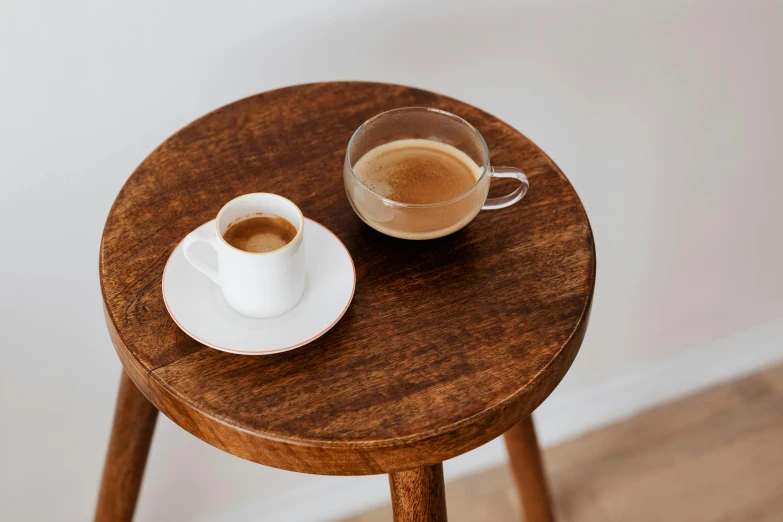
(666, 116)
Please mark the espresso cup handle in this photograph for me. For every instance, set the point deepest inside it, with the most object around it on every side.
(201, 235)
(513, 197)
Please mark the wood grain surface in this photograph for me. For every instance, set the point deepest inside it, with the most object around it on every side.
(715, 456)
(448, 342)
(131, 436)
(419, 495)
(529, 475)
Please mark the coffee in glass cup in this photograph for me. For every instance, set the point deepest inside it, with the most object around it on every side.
(420, 173)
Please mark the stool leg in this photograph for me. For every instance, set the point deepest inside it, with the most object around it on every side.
(418, 495)
(131, 435)
(525, 457)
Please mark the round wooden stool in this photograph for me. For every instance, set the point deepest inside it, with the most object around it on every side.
(448, 343)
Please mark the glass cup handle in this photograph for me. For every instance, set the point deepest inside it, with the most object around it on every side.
(513, 197)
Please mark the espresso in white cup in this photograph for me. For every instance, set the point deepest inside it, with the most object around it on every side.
(256, 284)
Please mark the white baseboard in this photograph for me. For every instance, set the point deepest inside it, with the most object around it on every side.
(561, 417)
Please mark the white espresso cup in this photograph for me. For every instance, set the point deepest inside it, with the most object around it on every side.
(264, 284)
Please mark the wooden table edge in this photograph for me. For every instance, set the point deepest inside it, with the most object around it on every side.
(352, 457)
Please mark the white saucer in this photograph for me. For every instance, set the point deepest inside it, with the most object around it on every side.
(197, 305)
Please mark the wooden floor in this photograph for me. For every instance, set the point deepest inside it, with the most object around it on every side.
(712, 457)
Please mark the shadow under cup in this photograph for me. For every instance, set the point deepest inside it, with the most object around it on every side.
(431, 220)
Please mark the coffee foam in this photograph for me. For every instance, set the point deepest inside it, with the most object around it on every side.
(259, 233)
(417, 171)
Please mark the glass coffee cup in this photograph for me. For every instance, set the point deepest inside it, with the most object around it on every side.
(425, 220)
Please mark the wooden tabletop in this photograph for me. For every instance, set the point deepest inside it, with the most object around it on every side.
(447, 343)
